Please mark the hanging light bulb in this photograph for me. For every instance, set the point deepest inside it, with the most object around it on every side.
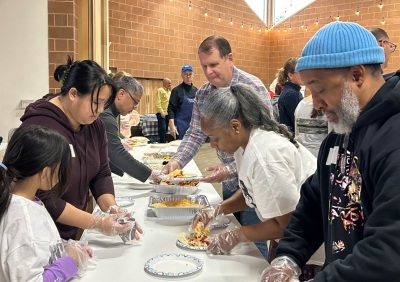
(358, 11)
(306, 27)
(219, 17)
(380, 5)
(302, 25)
(279, 30)
(285, 30)
(317, 22)
(259, 29)
(242, 24)
(290, 27)
(231, 22)
(206, 14)
(337, 17)
(251, 27)
(383, 21)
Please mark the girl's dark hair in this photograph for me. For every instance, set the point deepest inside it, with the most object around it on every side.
(31, 149)
(243, 103)
(87, 77)
(288, 67)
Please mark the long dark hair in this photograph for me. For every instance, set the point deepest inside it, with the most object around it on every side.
(243, 103)
(31, 149)
(87, 77)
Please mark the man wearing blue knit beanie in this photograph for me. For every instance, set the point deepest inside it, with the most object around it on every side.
(352, 202)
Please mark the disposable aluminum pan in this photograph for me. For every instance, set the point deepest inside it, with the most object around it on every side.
(176, 189)
(178, 212)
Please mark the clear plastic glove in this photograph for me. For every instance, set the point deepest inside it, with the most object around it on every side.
(224, 242)
(108, 224)
(170, 167)
(155, 176)
(80, 252)
(220, 173)
(116, 209)
(281, 269)
(205, 216)
(126, 145)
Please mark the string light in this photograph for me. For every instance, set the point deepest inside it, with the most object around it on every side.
(285, 30)
(242, 24)
(290, 27)
(380, 5)
(259, 29)
(358, 11)
(306, 28)
(317, 22)
(206, 14)
(302, 25)
(231, 22)
(383, 21)
(337, 17)
(251, 27)
(219, 17)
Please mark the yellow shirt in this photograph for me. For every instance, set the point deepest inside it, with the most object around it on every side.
(162, 100)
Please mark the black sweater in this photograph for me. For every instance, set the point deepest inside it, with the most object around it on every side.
(354, 206)
(176, 98)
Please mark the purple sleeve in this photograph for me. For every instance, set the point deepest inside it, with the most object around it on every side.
(61, 270)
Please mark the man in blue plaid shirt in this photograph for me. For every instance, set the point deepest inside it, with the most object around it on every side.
(216, 59)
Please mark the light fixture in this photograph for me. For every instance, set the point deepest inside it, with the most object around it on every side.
(337, 17)
(251, 27)
(259, 29)
(306, 27)
(290, 27)
(242, 24)
(380, 5)
(231, 22)
(383, 21)
(219, 17)
(317, 22)
(302, 25)
(358, 11)
(206, 14)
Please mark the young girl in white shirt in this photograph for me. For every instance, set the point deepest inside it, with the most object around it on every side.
(30, 247)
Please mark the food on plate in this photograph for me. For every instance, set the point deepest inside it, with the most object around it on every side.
(159, 156)
(176, 173)
(159, 145)
(199, 238)
(189, 183)
(137, 141)
(155, 166)
(180, 203)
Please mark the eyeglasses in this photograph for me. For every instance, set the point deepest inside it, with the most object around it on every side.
(392, 46)
(188, 74)
(136, 102)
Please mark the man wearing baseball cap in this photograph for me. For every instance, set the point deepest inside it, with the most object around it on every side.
(352, 201)
(180, 104)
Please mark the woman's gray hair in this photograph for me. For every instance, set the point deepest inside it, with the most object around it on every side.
(129, 84)
(243, 103)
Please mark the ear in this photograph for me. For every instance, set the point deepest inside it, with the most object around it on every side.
(235, 125)
(45, 176)
(358, 74)
(230, 57)
(120, 94)
(73, 93)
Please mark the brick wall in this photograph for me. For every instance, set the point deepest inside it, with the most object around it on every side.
(283, 45)
(154, 38)
(62, 36)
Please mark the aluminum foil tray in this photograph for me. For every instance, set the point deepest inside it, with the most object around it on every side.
(176, 189)
(177, 212)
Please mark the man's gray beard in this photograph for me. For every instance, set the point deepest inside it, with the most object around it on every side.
(348, 112)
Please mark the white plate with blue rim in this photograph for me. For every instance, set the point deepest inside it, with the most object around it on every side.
(173, 265)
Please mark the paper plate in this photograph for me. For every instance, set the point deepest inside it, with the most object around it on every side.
(173, 265)
(124, 201)
(175, 142)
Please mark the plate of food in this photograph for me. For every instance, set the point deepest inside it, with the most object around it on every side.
(159, 145)
(178, 177)
(173, 265)
(190, 188)
(175, 142)
(196, 241)
(137, 141)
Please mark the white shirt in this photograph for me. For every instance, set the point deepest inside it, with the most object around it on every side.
(29, 241)
(271, 171)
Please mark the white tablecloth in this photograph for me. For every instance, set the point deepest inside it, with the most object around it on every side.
(119, 262)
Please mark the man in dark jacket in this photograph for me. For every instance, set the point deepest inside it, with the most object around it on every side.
(352, 201)
(180, 104)
(127, 98)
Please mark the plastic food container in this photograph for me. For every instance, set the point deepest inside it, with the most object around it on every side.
(176, 189)
(178, 211)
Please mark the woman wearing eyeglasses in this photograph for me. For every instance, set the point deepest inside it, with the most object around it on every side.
(180, 104)
(127, 99)
(85, 92)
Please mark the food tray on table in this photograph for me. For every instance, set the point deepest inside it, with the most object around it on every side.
(176, 189)
(163, 156)
(177, 205)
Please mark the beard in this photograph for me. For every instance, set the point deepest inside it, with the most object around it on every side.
(348, 111)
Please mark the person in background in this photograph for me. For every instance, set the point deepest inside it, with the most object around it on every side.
(36, 158)
(311, 125)
(383, 40)
(216, 59)
(270, 173)
(180, 104)
(128, 96)
(290, 95)
(86, 90)
(352, 201)
(162, 99)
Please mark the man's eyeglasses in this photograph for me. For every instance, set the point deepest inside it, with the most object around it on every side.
(392, 46)
(188, 74)
(136, 102)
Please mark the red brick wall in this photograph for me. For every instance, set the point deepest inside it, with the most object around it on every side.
(154, 38)
(290, 44)
(62, 36)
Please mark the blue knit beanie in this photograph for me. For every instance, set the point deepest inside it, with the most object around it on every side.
(340, 44)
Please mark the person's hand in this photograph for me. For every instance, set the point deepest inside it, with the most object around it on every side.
(125, 128)
(220, 173)
(162, 115)
(155, 176)
(170, 167)
(80, 252)
(281, 269)
(224, 242)
(173, 130)
(116, 209)
(108, 224)
(205, 216)
(126, 145)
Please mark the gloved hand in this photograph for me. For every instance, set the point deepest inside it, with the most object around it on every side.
(281, 269)
(224, 242)
(116, 209)
(170, 167)
(80, 252)
(155, 176)
(205, 216)
(126, 145)
(108, 223)
(220, 173)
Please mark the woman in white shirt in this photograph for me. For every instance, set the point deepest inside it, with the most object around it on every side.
(271, 165)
